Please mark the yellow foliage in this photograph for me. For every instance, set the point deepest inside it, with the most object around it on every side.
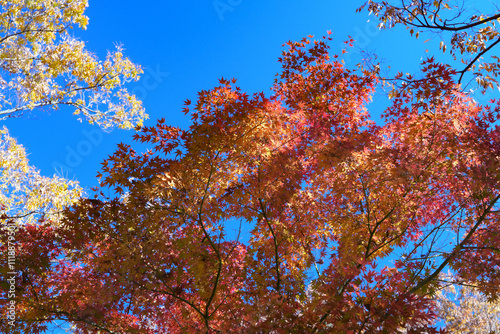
(25, 195)
(43, 66)
(466, 310)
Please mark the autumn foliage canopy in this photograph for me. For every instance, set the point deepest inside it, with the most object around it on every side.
(293, 213)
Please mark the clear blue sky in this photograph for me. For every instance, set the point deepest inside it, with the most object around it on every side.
(186, 46)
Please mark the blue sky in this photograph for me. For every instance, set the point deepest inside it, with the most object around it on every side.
(186, 46)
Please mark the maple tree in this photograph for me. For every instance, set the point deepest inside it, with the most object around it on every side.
(290, 213)
(42, 66)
